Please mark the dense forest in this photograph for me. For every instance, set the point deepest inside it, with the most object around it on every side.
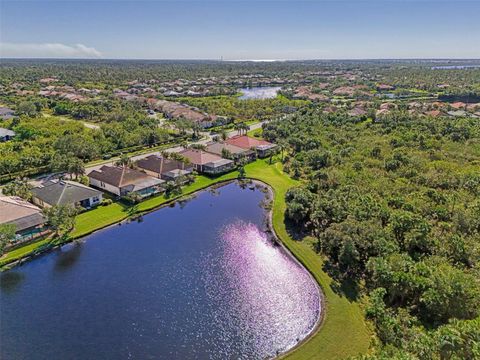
(41, 139)
(390, 173)
(394, 206)
(254, 109)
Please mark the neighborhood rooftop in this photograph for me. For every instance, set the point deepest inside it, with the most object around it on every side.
(217, 148)
(63, 192)
(159, 164)
(200, 157)
(247, 142)
(14, 210)
(120, 176)
(6, 132)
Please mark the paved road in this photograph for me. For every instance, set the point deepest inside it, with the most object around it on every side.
(206, 138)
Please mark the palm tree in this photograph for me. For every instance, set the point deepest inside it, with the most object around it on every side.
(124, 161)
(166, 154)
(196, 128)
(76, 167)
(237, 127)
(282, 145)
(245, 128)
(223, 135)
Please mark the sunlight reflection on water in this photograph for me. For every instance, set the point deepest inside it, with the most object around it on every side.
(269, 302)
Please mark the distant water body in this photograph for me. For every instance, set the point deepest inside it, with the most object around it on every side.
(455, 67)
(260, 92)
(200, 280)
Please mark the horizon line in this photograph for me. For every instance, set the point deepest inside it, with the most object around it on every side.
(247, 60)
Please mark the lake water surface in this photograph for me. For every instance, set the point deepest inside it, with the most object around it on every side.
(261, 92)
(200, 280)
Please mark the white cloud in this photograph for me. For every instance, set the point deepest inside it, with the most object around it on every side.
(47, 50)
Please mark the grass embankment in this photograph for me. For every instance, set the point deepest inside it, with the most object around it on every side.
(343, 332)
(103, 216)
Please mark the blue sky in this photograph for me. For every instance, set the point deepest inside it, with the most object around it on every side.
(245, 29)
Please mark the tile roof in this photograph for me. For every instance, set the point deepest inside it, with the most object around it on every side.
(14, 210)
(217, 147)
(200, 157)
(159, 164)
(120, 176)
(246, 142)
(63, 192)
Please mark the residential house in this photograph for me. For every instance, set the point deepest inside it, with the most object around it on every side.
(122, 180)
(6, 134)
(357, 112)
(174, 110)
(208, 163)
(6, 113)
(221, 148)
(27, 218)
(63, 192)
(162, 168)
(262, 147)
(434, 113)
(458, 105)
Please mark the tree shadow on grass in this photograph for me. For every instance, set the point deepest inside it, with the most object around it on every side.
(293, 230)
(131, 209)
(342, 284)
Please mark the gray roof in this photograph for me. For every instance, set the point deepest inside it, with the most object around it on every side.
(218, 163)
(6, 132)
(6, 113)
(62, 192)
(217, 147)
(28, 222)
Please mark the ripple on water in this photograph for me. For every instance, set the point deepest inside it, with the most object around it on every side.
(264, 302)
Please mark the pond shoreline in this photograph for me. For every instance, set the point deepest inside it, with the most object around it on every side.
(322, 303)
(273, 237)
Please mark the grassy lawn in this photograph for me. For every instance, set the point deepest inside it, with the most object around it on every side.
(22, 251)
(343, 333)
(256, 133)
(103, 216)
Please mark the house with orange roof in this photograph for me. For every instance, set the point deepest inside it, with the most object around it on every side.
(262, 147)
(434, 113)
(458, 105)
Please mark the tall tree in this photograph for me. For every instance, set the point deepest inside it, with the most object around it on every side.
(7, 234)
(60, 218)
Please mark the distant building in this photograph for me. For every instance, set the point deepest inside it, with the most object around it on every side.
(262, 147)
(63, 192)
(219, 148)
(6, 134)
(27, 218)
(208, 163)
(174, 110)
(121, 181)
(6, 113)
(162, 168)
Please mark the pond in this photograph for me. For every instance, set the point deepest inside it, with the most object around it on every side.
(199, 280)
(261, 92)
